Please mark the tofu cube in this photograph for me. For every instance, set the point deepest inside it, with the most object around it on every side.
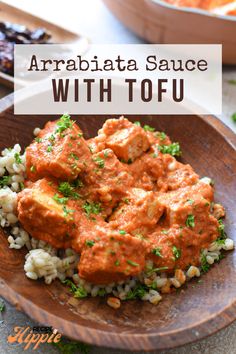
(139, 213)
(127, 140)
(61, 154)
(43, 217)
(112, 258)
(106, 179)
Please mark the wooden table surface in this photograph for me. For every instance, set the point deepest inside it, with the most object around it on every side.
(91, 19)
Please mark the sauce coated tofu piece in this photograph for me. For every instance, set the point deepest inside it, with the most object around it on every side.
(190, 207)
(106, 179)
(175, 247)
(112, 258)
(177, 175)
(138, 214)
(127, 140)
(59, 151)
(45, 218)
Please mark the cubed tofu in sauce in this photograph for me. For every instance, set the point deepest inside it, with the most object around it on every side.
(118, 199)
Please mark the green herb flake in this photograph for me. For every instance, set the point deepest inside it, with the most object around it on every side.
(52, 138)
(89, 243)
(133, 264)
(4, 181)
(68, 190)
(176, 252)
(67, 211)
(73, 156)
(205, 266)
(38, 140)
(157, 252)
(137, 293)
(172, 149)
(122, 232)
(164, 232)
(190, 201)
(99, 161)
(78, 291)
(147, 128)
(60, 200)
(33, 169)
(2, 306)
(137, 123)
(92, 208)
(49, 148)
(64, 123)
(161, 135)
(117, 263)
(190, 221)
(233, 117)
(17, 158)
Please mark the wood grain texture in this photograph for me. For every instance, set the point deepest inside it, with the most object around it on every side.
(197, 311)
(159, 22)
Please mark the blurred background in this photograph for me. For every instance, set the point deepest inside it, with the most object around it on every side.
(93, 19)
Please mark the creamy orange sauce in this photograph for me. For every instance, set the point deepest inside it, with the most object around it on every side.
(118, 199)
(209, 5)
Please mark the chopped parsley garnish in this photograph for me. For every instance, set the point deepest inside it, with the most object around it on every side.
(233, 117)
(137, 293)
(77, 183)
(133, 264)
(205, 266)
(222, 234)
(2, 306)
(22, 186)
(52, 138)
(92, 208)
(73, 156)
(67, 211)
(161, 135)
(68, 190)
(49, 148)
(147, 128)
(99, 161)
(117, 263)
(190, 201)
(38, 140)
(172, 149)
(60, 200)
(190, 221)
(126, 200)
(78, 291)
(101, 292)
(17, 158)
(64, 123)
(176, 252)
(164, 232)
(155, 270)
(89, 243)
(137, 123)
(157, 252)
(80, 135)
(122, 232)
(4, 181)
(33, 169)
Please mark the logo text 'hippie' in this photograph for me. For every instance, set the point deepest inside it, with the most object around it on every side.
(29, 336)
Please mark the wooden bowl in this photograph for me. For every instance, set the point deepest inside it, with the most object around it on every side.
(196, 312)
(159, 22)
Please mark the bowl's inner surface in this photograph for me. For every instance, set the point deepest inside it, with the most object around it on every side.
(210, 155)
